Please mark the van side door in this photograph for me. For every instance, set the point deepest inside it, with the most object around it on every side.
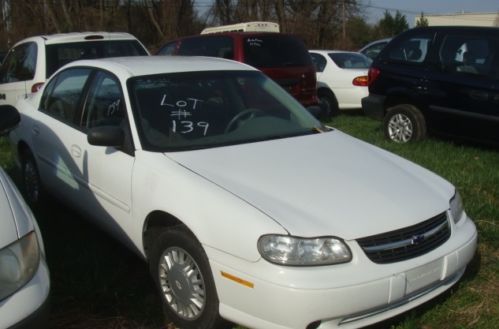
(465, 86)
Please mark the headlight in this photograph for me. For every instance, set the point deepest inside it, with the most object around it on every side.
(18, 263)
(456, 207)
(295, 251)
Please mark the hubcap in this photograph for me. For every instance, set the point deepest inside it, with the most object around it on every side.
(400, 128)
(31, 182)
(182, 283)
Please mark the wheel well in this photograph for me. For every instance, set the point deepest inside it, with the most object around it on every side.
(325, 90)
(155, 222)
(399, 99)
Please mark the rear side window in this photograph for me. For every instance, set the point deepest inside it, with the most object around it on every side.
(350, 60)
(319, 62)
(20, 64)
(62, 96)
(411, 50)
(275, 50)
(475, 54)
(63, 53)
(213, 46)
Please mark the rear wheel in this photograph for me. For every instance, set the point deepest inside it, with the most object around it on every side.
(404, 123)
(328, 103)
(32, 184)
(182, 274)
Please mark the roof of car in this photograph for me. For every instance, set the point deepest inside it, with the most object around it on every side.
(80, 37)
(148, 65)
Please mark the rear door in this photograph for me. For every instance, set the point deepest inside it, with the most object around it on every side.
(465, 87)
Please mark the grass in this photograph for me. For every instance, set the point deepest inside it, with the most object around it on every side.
(97, 283)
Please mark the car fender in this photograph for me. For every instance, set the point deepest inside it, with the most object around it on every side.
(161, 184)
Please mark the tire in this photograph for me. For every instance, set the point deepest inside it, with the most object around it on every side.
(404, 123)
(328, 103)
(31, 182)
(173, 252)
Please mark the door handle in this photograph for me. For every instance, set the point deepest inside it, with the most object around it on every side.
(35, 130)
(75, 151)
(3, 96)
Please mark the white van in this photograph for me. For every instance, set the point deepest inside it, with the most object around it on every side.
(31, 61)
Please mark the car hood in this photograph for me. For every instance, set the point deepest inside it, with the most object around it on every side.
(324, 184)
(14, 219)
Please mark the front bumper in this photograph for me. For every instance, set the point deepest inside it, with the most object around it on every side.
(348, 295)
(373, 106)
(28, 307)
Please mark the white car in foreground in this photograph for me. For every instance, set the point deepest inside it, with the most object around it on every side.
(24, 276)
(341, 78)
(244, 205)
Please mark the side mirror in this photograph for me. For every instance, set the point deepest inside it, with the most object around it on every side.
(316, 111)
(106, 136)
(9, 118)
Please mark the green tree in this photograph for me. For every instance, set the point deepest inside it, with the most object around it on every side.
(390, 26)
(422, 21)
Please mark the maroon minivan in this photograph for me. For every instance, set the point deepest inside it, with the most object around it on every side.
(282, 57)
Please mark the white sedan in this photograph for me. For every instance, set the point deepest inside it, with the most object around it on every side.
(24, 276)
(245, 207)
(341, 79)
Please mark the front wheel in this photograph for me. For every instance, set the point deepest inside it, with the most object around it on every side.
(182, 274)
(404, 123)
(328, 103)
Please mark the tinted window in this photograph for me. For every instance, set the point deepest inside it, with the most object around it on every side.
(62, 96)
(350, 60)
(411, 50)
(20, 64)
(275, 50)
(104, 105)
(213, 46)
(60, 54)
(319, 62)
(184, 111)
(375, 49)
(470, 54)
(168, 49)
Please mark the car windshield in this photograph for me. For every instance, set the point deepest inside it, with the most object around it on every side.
(63, 53)
(351, 60)
(196, 110)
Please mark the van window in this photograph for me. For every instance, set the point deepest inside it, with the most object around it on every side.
(63, 53)
(20, 63)
(411, 50)
(469, 54)
(213, 46)
(275, 50)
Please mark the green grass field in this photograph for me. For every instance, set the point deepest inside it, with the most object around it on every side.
(97, 283)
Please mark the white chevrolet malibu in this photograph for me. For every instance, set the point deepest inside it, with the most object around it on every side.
(245, 207)
(24, 276)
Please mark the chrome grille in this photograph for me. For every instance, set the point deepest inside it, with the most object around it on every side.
(408, 242)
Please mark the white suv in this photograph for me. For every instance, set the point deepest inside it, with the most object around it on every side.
(31, 61)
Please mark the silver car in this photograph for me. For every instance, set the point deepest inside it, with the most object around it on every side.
(24, 275)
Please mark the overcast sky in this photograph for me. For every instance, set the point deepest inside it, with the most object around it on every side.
(374, 9)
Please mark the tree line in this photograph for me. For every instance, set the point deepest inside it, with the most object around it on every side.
(328, 24)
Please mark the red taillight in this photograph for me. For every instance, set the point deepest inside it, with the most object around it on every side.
(37, 86)
(361, 81)
(373, 74)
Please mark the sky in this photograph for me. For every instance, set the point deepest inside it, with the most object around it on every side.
(373, 10)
